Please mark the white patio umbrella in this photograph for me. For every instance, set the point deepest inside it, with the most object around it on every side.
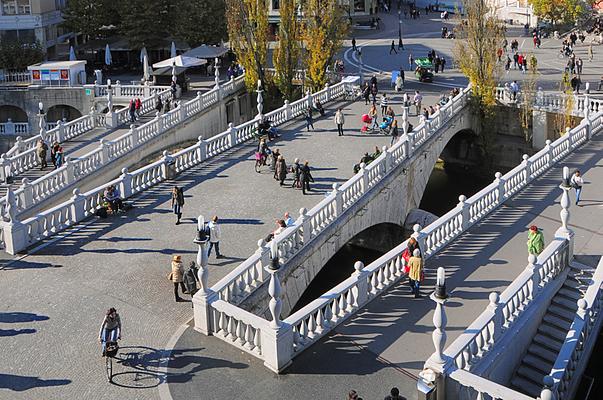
(72, 56)
(173, 50)
(180, 61)
(143, 53)
(146, 74)
(108, 60)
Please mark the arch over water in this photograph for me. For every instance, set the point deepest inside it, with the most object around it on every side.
(16, 114)
(62, 112)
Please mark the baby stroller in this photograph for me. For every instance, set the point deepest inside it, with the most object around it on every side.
(385, 125)
(366, 120)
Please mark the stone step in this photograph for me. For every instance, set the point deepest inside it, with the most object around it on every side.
(532, 375)
(526, 386)
(573, 283)
(571, 294)
(553, 331)
(560, 323)
(569, 305)
(537, 363)
(562, 311)
(543, 352)
(552, 344)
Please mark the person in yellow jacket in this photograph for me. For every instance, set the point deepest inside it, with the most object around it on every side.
(415, 272)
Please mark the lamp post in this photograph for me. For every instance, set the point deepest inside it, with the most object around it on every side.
(42, 117)
(400, 43)
(439, 296)
(201, 240)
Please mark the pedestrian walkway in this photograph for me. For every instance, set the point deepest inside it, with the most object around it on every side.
(387, 342)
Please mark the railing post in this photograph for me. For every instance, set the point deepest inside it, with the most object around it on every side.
(500, 191)
(69, 170)
(564, 232)
(309, 99)
(411, 142)
(420, 237)
(27, 191)
(232, 134)
(527, 166)
(465, 216)
(125, 185)
(304, 221)
(92, 117)
(60, 131)
(4, 168)
(365, 180)
(201, 149)
(327, 93)
(549, 152)
(181, 112)
(496, 308)
(166, 169)
(133, 136)
(78, 204)
(14, 232)
(19, 144)
(264, 252)
(104, 153)
(361, 291)
(534, 269)
(117, 88)
(205, 296)
(547, 391)
(287, 110)
(338, 200)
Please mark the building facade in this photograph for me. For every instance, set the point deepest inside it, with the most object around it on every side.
(34, 20)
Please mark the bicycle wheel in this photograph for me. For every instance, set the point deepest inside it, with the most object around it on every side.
(109, 368)
(258, 164)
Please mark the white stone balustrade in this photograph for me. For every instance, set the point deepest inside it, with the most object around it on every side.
(475, 387)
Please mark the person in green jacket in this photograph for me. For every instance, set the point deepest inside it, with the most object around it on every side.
(535, 240)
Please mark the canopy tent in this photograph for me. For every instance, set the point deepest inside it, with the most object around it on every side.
(173, 50)
(423, 62)
(167, 71)
(205, 51)
(72, 56)
(180, 61)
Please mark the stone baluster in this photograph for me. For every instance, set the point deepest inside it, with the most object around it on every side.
(420, 237)
(496, 308)
(547, 392)
(27, 196)
(104, 153)
(465, 215)
(361, 289)
(205, 296)
(287, 107)
(69, 169)
(364, 177)
(534, 268)
(388, 159)
(338, 200)
(125, 184)
(549, 152)
(327, 93)
(14, 232)
(304, 221)
(500, 191)
(78, 206)
(232, 134)
(201, 149)
(60, 131)
(564, 232)
(527, 167)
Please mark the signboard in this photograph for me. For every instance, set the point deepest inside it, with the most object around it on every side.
(55, 75)
(35, 75)
(64, 74)
(88, 92)
(45, 75)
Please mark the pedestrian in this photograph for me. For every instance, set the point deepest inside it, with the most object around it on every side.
(309, 119)
(177, 202)
(410, 62)
(524, 65)
(383, 104)
(158, 104)
(401, 75)
(176, 276)
(579, 65)
(514, 89)
(393, 48)
(190, 279)
(508, 64)
(535, 240)
(138, 106)
(366, 92)
(425, 114)
(53, 154)
(436, 65)
(373, 114)
(289, 221)
(339, 121)
(132, 110)
(354, 44)
(394, 131)
(281, 170)
(215, 234)
(41, 151)
(415, 272)
(590, 53)
(306, 177)
(374, 92)
(276, 153)
(577, 182)
(57, 157)
(296, 168)
(515, 60)
(394, 394)
(418, 98)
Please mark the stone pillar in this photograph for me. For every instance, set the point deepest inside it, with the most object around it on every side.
(500, 183)
(15, 233)
(232, 134)
(496, 308)
(133, 132)
(42, 121)
(420, 237)
(167, 171)
(264, 252)
(361, 290)
(439, 333)
(110, 118)
(539, 128)
(564, 232)
(309, 99)
(304, 222)
(4, 169)
(287, 106)
(364, 177)
(388, 159)
(201, 149)
(104, 154)
(527, 164)
(549, 151)
(60, 131)
(78, 206)
(125, 185)
(338, 199)
(69, 169)
(27, 191)
(464, 208)
(327, 92)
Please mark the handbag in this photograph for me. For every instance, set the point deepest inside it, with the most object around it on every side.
(405, 257)
(169, 276)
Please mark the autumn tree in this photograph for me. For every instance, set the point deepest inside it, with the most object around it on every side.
(247, 22)
(559, 11)
(478, 36)
(325, 27)
(287, 52)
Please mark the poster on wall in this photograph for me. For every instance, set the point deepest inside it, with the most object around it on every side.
(45, 75)
(64, 74)
(55, 75)
(35, 75)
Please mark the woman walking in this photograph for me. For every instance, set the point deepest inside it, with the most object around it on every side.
(373, 114)
(177, 202)
(339, 121)
(176, 276)
(415, 272)
(394, 132)
(281, 170)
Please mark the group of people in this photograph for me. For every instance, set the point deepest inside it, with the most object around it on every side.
(56, 154)
(234, 70)
(302, 175)
(134, 109)
(519, 61)
(164, 107)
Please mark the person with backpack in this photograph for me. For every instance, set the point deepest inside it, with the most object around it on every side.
(215, 234)
(177, 202)
(190, 279)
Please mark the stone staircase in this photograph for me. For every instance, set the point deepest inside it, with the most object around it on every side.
(542, 352)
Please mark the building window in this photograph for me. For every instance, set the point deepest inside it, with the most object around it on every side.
(16, 7)
(275, 4)
(22, 35)
(359, 6)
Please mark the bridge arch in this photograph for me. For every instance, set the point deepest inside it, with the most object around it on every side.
(62, 112)
(16, 114)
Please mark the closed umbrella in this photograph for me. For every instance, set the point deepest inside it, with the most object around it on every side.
(173, 50)
(72, 54)
(143, 53)
(108, 60)
(145, 69)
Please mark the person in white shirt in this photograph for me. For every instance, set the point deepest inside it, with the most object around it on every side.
(417, 100)
(215, 234)
(289, 221)
(576, 182)
(514, 89)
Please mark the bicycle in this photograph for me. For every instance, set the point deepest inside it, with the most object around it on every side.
(111, 350)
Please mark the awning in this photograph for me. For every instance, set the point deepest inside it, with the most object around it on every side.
(180, 61)
(167, 71)
(205, 51)
(423, 62)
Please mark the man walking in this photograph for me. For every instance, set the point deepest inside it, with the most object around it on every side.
(339, 121)
(306, 177)
(309, 119)
(354, 44)
(576, 182)
(418, 98)
(514, 89)
(215, 233)
(410, 62)
(296, 167)
(383, 104)
(41, 151)
(393, 48)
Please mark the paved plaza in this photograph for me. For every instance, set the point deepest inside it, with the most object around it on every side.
(54, 297)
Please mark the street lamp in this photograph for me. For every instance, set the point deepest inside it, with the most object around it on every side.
(400, 43)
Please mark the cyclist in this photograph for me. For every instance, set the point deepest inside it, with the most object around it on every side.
(110, 330)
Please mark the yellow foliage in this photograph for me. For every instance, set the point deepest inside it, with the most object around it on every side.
(286, 54)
